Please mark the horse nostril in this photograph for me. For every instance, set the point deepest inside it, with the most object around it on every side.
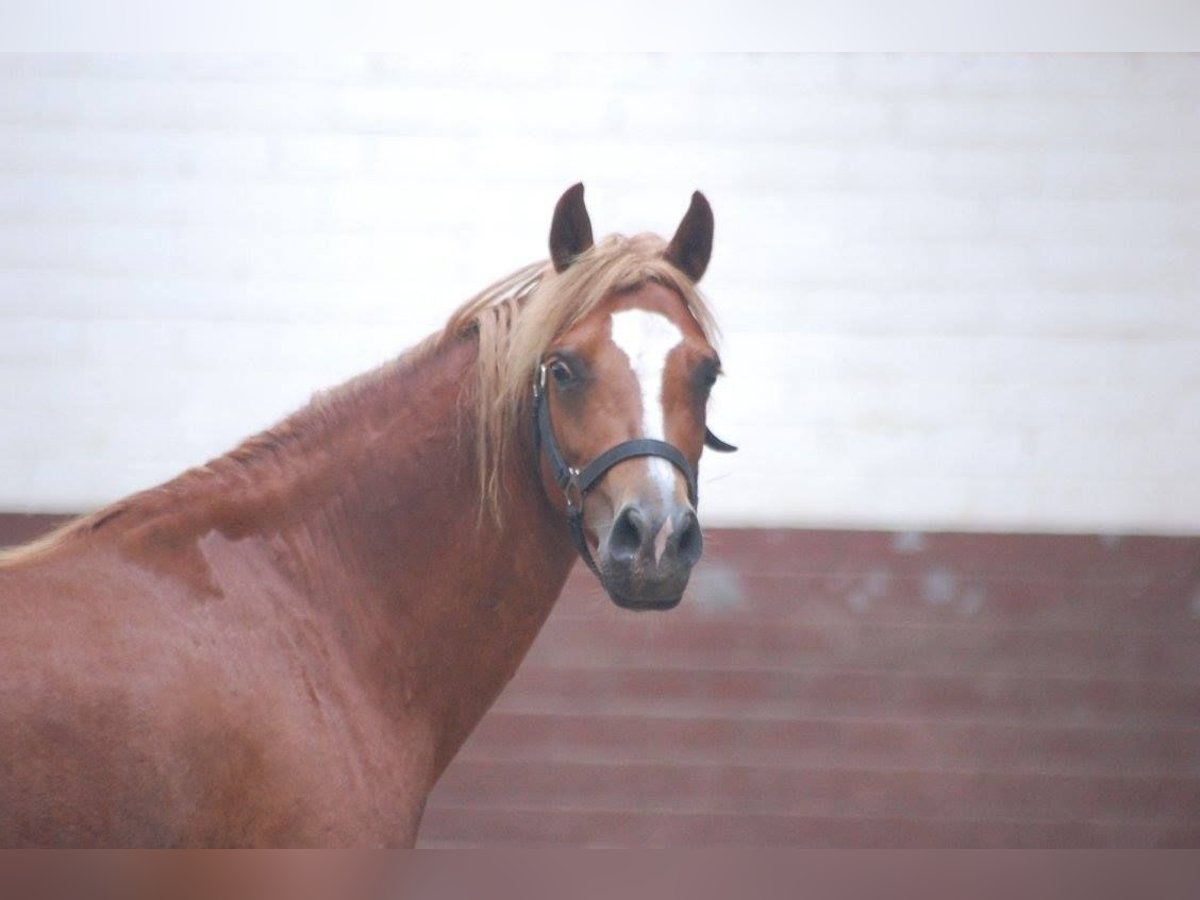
(689, 542)
(625, 539)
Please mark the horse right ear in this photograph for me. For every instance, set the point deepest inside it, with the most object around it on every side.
(571, 229)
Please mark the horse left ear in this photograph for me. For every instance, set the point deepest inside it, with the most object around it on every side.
(690, 249)
(571, 228)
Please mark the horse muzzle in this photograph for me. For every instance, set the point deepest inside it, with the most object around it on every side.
(646, 555)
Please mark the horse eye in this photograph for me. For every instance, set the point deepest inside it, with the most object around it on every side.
(561, 372)
(707, 377)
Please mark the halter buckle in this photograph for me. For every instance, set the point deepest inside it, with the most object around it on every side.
(573, 492)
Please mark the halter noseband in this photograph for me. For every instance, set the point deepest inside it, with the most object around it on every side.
(576, 483)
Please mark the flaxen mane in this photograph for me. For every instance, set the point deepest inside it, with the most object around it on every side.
(515, 320)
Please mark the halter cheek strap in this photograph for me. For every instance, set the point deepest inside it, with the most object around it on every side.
(576, 483)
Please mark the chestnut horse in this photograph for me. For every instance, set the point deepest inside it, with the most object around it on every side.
(287, 646)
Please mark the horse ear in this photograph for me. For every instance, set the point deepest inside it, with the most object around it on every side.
(690, 249)
(571, 229)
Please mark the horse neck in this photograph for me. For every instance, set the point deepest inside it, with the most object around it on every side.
(437, 604)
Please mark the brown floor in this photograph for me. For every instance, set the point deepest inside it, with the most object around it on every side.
(825, 688)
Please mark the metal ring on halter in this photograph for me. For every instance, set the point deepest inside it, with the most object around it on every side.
(573, 492)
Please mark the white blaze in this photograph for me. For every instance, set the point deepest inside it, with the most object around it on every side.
(647, 338)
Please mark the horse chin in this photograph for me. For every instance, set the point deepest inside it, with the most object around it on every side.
(642, 595)
(645, 604)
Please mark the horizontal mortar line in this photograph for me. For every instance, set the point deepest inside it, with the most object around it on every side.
(204, 278)
(191, 166)
(420, 125)
(663, 809)
(776, 711)
(784, 147)
(824, 590)
(585, 759)
(866, 72)
(337, 290)
(948, 563)
(843, 81)
(880, 672)
(1015, 724)
(218, 276)
(306, 318)
(752, 661)
(1189, 633)
(162, 77)
(366, 228)
(836, 769)
(915, 566)
(679, 640)
(830, 666)
(372, 171)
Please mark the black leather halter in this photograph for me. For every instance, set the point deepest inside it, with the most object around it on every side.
(576, 483)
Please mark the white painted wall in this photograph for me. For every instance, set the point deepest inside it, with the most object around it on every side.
(957, 292)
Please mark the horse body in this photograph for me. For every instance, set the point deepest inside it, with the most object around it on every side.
(162, 707)
(287, 646)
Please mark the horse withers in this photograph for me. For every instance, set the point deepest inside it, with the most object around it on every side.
(287, 645)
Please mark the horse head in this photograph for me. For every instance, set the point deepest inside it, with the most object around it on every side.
(621, 398)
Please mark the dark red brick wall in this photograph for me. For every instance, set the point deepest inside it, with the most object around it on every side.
(854, 689)
(857, 689)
